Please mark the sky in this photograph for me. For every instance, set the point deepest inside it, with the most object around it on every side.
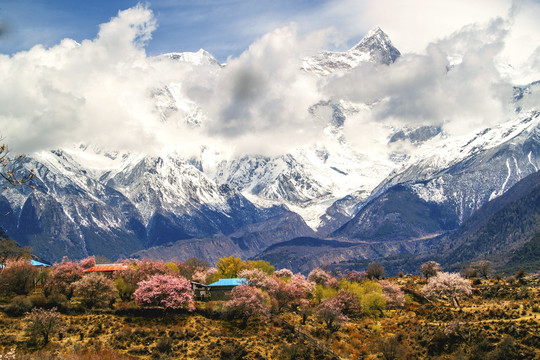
(86, 71)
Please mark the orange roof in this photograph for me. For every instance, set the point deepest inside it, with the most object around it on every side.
(106, 268)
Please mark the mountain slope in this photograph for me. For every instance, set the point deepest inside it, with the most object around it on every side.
(500, 230)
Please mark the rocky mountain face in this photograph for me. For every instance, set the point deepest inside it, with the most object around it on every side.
(315, 204)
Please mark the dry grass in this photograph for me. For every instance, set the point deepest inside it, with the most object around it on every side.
(499, 318)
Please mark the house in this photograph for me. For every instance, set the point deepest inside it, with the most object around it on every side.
(220, 289)
(200, 292)
(106, 269)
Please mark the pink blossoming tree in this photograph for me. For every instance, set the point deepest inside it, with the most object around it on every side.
(62, 277)
(246, 302)
(447, 286)
(319, 276)
(169, 291)
(393, 294)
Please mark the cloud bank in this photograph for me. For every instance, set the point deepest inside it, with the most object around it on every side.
(101, 91)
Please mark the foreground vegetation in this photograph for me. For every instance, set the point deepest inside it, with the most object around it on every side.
(147, 312)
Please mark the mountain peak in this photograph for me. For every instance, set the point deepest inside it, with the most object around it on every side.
(375, 47)
(379, 47)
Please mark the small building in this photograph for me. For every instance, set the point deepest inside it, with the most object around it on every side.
(220, 289)
(106, 269)
(201, 292)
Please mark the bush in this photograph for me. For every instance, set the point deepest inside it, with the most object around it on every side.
(19, 305)
(373, 304)
(164, 345)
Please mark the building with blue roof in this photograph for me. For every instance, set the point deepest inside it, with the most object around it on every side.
(220, 289)
(229, 282)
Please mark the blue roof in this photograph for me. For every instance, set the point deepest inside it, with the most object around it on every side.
(37, 263)
(230, 282)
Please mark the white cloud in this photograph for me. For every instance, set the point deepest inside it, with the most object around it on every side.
(99, 91)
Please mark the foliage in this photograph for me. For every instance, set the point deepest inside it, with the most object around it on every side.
(229, 267)
(430, 268)
(283, 273)
(373, 304)
(61, 278)
(95, 290)
(246, 302)
(18, 277)
(262, 265)
(393, 294)
(124, 290)
(447, 285)
(322, 292)
(375, 271)
(43, 323)
(168, 291)
(319, 276)
(173, 268)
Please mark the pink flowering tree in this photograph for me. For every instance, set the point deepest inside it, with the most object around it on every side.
(393, 294)
(169, 291)
(430, 268)
(254, 276)
(330, 312)
(42, 323)
(348, 303)
(137, 270)
(62, 277)
(95, 290)
(203, 275)
(319, 276)
(88, 262)
(292, 293)
(449, 286)
(247, 302)
(284, 273)
(356, 276)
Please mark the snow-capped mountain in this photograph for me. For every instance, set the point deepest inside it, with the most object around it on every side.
(95, 201)
(375, 47)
